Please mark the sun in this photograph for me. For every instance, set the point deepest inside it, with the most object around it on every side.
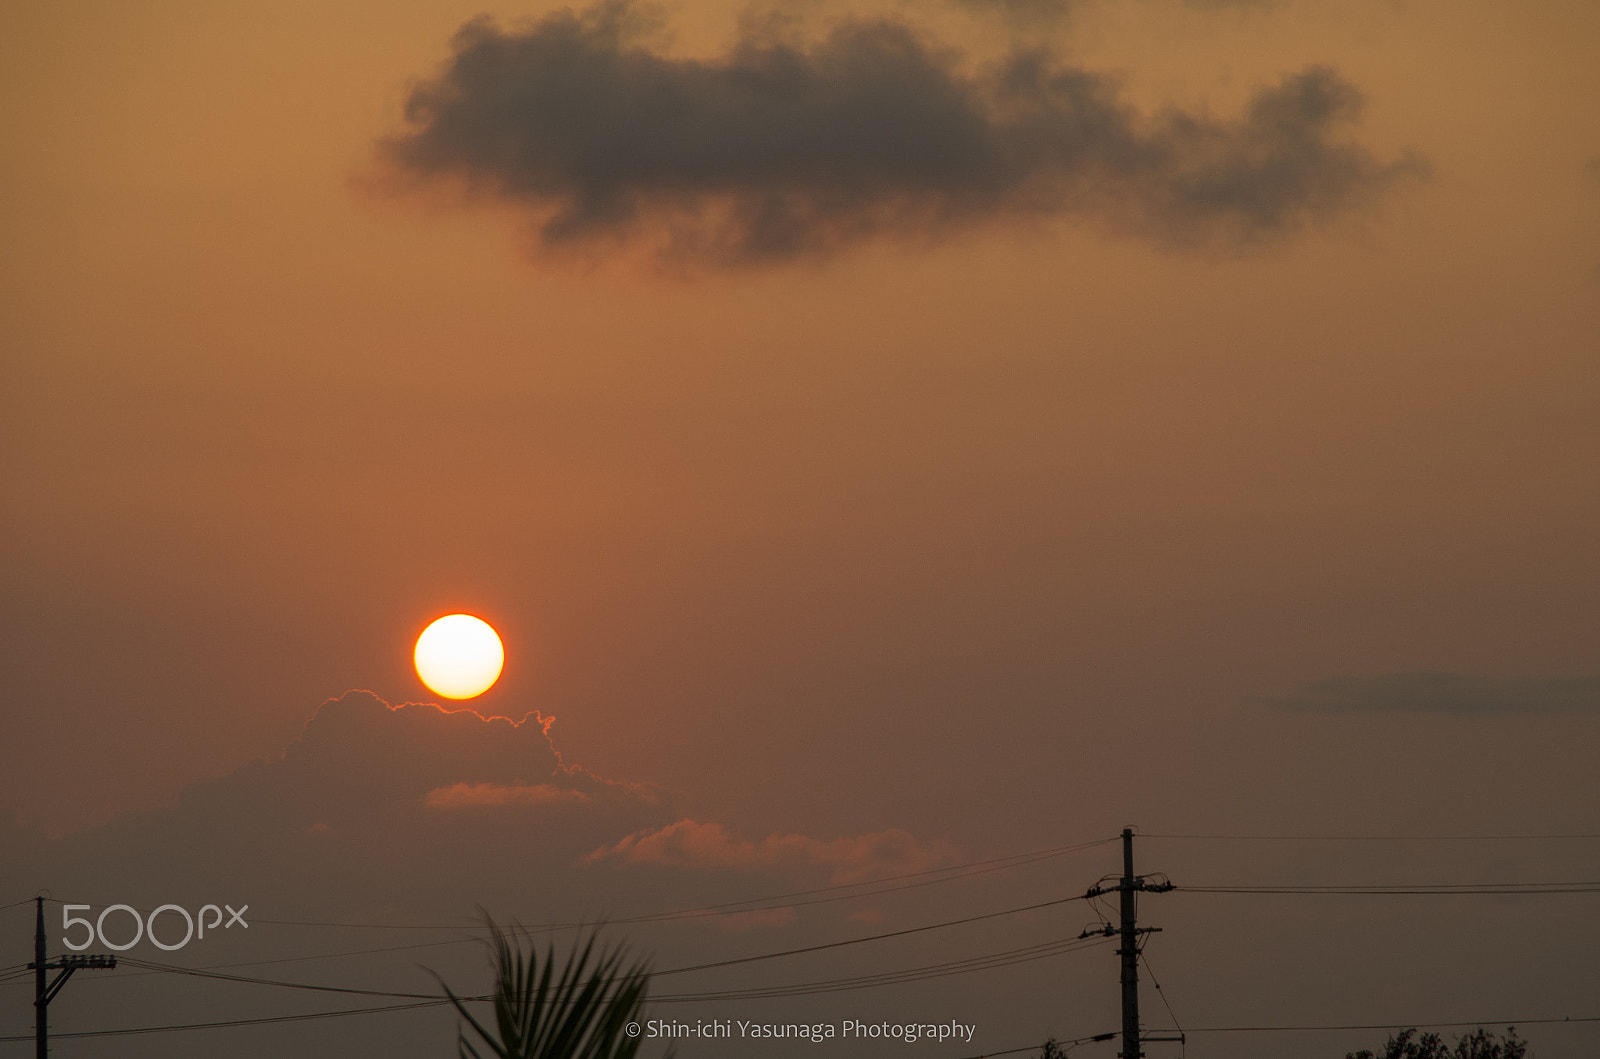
(459, 656)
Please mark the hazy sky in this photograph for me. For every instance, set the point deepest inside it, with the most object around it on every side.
(885, 435)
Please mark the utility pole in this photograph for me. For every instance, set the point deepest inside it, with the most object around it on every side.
(1128, 932)
(43, 994)
(40, 1031)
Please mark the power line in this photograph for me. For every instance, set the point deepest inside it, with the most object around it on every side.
(949, 873)
(1002, 862)
(1162, 993)
(816, 948)
(991, 961)
(194, 972)
(986, 962)
(870, 937)
(323, 956)
(1444, 889)
(1037, 1047)
(1010, 956)
(868, 888)
(265, 1020)
(1395, 1025)
(381, 1009)
(983, 868)
(1407, 889)
(681, 998)
(783, 952)
(1370, 838)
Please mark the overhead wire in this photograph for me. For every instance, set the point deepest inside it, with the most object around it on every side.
(225, 1023)
(1039, 1047)
(384, 1008)
(951, 873)
(866, 888)
(1435, 890)
(1162, 993)
(986, 962)
(986, 866)
(1369, 838)
(872, 937)
(204, 973)
(1404, 889)
(1008, 958)
(939, 970)
(1396, 1025)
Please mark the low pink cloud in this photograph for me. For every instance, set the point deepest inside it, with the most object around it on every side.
(689, 843)
(480, 795)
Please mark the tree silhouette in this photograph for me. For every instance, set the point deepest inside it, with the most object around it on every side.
(1480, 1044)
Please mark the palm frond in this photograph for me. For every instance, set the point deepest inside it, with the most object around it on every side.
(549, 1008)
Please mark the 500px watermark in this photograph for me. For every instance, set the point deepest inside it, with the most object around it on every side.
(144, 926)
(816, 1032)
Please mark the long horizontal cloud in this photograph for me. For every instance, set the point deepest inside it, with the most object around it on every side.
(500, 795)
(1449, 693)
(780, 149)
(692, 844)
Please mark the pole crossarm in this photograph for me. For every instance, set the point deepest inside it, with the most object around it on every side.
(44, 993)
(1110, 931)
(1139, 883)
(96, 961)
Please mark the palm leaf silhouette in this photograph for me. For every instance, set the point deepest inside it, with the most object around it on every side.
(544, 1008)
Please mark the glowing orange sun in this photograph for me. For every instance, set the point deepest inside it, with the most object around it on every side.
(459, 656)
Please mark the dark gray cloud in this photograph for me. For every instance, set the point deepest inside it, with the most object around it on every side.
(781, 149)
(1456, 693)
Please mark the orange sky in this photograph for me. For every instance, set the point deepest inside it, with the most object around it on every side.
(999, 534)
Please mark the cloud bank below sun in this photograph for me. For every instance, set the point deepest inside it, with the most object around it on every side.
(418, 810)
(786, 147)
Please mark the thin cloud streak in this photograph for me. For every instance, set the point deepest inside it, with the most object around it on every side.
(1450, 693)
(499, 795)
(692, 844)
(781, 149)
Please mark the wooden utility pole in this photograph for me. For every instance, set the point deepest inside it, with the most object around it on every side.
(1128, 934)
